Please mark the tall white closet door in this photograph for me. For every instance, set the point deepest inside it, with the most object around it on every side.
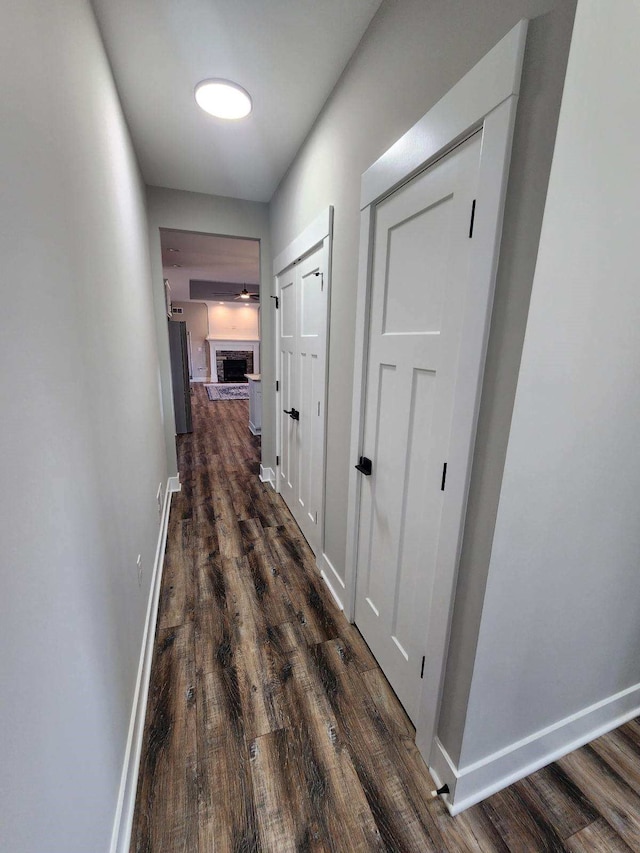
(287, 317)
(419, 280)
(303, 344)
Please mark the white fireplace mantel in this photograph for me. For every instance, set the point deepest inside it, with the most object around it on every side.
(251, 345)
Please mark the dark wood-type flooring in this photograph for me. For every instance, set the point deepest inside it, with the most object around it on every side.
(270, 726)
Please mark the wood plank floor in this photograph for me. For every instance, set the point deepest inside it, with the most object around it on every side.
(270, 726)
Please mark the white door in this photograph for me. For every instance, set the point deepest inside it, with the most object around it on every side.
(420, 275)
(288, 475)
(303, 313)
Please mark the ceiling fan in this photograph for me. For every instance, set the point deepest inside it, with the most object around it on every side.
(244, 294)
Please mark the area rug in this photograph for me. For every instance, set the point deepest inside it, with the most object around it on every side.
(229, 391)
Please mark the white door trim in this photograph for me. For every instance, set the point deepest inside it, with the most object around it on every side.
(490, 82)
(313, 235)
(485, 99)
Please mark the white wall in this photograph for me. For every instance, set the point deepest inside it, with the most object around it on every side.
(81, 436)
(209, 214)
(233, 322)
(561, 629)
(411, 55)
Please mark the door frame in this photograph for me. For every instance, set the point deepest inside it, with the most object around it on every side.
(314, 235)
(483, 100)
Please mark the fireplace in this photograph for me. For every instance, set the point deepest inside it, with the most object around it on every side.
(222, 351)
(239, 362)
(234, 369)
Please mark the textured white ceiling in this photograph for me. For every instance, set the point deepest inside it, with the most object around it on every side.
(207, 257)
(287, 53)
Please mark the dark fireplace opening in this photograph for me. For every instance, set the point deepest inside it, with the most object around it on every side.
(234, 369)
(242, 358)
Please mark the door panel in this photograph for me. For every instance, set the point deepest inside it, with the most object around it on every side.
(303, 376)
(416, 271)
(419, 276)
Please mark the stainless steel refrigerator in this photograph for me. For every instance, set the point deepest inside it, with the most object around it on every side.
(179, 352)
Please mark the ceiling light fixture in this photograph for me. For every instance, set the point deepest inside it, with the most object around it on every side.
(223, 99)
(176, 266)
(169, 249)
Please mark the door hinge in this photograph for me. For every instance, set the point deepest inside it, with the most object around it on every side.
(278, 301)
(473, 216)
(422, 667)
(365, 466)
(277, 461)
(277, 385)
(444, 477)
(318, 408)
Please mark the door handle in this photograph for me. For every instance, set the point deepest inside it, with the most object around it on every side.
(294, 414)
(364, 466)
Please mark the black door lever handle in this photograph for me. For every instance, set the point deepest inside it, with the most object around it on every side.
(364, 466)
(294, 414)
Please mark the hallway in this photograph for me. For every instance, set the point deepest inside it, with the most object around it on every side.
(269, 724)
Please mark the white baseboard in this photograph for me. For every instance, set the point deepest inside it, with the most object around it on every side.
(469, 785)
(332, 579)
(123, 822)
(199, 379)
(268, 475)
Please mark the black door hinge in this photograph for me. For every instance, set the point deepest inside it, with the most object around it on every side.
(278, 301)
(422, 668)
(444, 477)
(365, 466)
(277, 385)
(277, 461)
(473, 216)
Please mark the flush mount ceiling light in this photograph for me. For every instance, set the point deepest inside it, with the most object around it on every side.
(223, 99)
(172, 250)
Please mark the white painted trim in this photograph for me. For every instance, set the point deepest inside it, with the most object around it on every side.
(492, 185)
(485, 100)
(123, 822)
(363, 305)
(480, 780)
(332, 579)
(267, 475)
(277, 394)
(199, 379)
(490, 82)
(302, 245)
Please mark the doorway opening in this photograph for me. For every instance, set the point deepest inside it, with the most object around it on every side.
(212, 286)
